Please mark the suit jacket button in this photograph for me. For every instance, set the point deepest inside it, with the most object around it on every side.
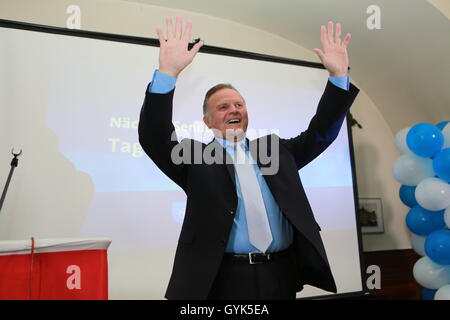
(224, 241)
(232, 212)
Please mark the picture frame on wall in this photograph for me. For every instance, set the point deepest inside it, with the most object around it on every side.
(370, 215)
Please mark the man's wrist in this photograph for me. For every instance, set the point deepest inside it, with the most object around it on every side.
(169, 72)
(162, 83)
(341, 82)
(338, 74)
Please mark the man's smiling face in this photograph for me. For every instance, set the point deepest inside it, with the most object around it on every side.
(227, 114)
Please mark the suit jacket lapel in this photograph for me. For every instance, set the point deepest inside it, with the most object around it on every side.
(266, 151)
(254, 146)
(224, 157)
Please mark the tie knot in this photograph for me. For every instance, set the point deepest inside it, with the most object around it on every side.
(231, 147)
(235, 145)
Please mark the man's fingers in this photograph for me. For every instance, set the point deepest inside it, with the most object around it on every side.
(346, 40)
(187, 31)
(337, 36)
(330, 32)
(195, 48)
(319, 53)
(178, 27)
(170, 32)
(160, 36)
(323, 36)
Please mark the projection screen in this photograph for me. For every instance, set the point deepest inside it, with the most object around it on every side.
(71, 101)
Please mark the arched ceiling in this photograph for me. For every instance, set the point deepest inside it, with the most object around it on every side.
(404, 67)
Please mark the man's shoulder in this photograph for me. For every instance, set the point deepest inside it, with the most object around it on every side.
(193, 142)
(271, 136)
(268, 139)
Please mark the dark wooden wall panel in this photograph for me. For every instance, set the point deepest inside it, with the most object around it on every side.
(397, 280)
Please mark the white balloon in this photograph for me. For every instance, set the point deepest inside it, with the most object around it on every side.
(400, 141)
(430, 274)
(410, 169)
(447, 217)
(418, 244)
(433, 194)
(446, 132)
(443, 293)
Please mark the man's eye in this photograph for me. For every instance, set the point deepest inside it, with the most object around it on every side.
(222, 107)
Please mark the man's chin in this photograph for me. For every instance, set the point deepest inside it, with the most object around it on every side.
(234, 134)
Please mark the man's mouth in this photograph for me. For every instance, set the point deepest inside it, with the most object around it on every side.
(233, 121)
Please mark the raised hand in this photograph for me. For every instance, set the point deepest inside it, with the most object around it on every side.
(334, 54)
(174, 55)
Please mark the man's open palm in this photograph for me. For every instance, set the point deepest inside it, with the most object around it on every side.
(174, 55)
(333, 54)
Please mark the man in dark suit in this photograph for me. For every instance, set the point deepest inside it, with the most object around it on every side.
(248, 232)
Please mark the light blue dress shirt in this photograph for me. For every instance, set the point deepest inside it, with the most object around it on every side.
(280, 227)
(282, 231)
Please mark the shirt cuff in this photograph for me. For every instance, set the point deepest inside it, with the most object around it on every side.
(161, 83)
(341, 82)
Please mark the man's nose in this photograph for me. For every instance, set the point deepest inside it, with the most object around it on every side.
(233, 109)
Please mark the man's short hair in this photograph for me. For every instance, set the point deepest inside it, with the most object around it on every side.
(213, 90)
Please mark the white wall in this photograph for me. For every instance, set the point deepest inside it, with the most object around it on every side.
(375, 154)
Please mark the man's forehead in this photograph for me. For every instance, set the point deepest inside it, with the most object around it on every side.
(226, 94)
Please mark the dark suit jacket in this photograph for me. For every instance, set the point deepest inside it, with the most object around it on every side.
(212, 200)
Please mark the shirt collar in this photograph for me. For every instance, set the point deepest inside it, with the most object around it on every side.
(228, 144)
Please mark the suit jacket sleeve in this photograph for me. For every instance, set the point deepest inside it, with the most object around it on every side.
(324, 126)
(157, 135)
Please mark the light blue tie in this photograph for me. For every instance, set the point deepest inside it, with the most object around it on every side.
(258, 224)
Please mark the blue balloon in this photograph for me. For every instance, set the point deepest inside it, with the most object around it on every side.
(425, 139)
(441, 164)
(428, 294)
(423, 222)
(408, 195)
(437, 246)
(441, 125)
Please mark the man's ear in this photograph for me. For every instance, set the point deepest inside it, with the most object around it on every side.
(206, 121)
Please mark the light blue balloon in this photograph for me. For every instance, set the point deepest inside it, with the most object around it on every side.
(437, 246)
(441, 164)
(425, 139)
(441, 125)
(410, 169)
(422, 222)
(407, 195)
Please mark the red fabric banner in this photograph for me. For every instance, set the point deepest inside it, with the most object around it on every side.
(64, 275)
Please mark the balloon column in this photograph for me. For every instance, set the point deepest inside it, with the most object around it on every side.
(423, 169)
